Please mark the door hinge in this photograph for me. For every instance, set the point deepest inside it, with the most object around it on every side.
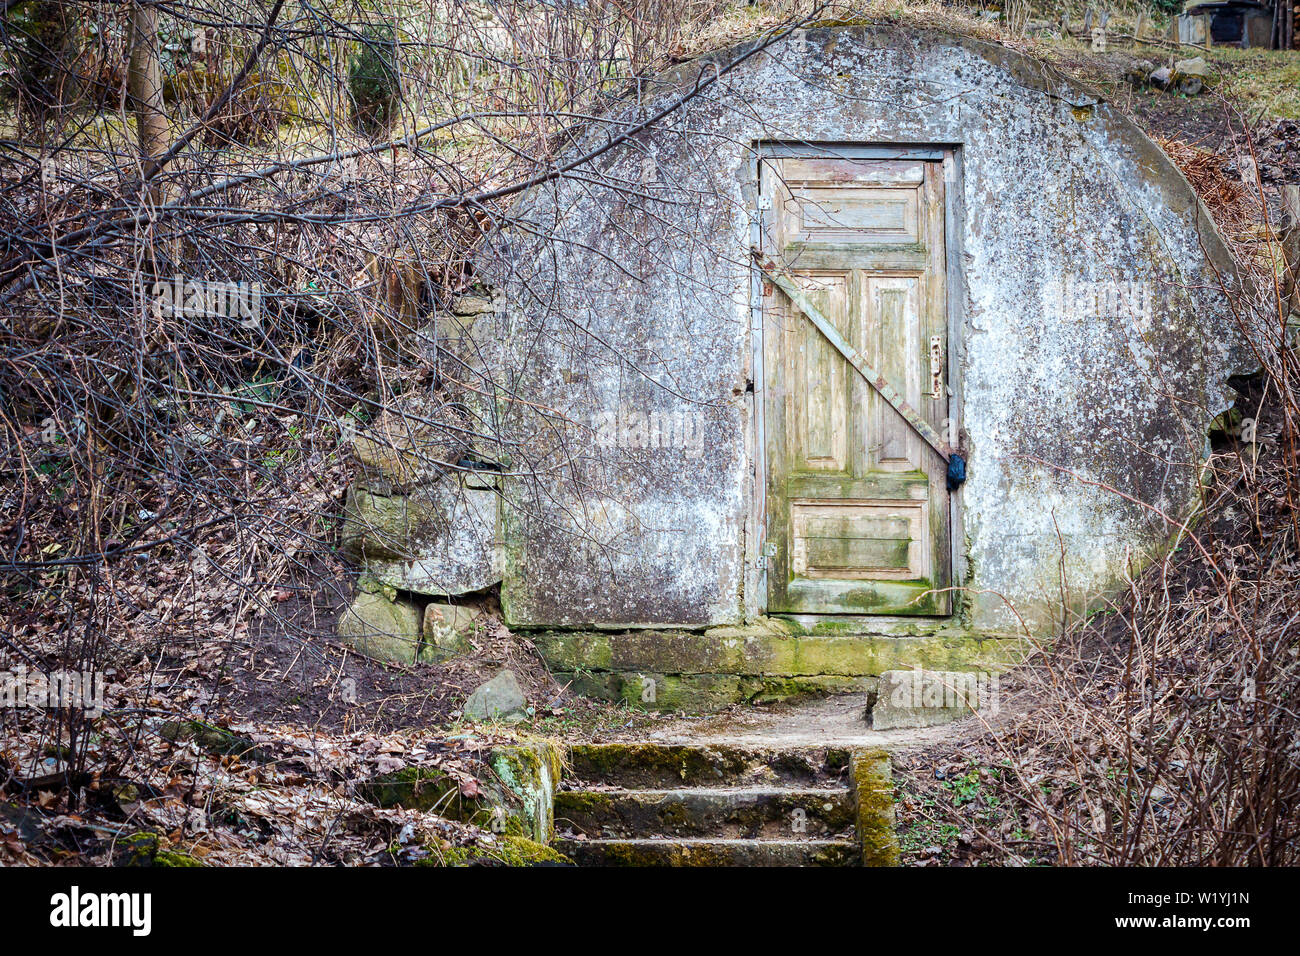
(764, 203)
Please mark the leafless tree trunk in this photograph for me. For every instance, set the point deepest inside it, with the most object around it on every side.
(144, 85)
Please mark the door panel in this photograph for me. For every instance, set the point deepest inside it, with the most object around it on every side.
(893, 308)
(819, 393)
(858, 515)
(858, 539)
(848, 214)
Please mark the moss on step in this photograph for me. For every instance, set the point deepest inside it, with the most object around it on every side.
(873, 791)
(214, 740)
(666, 765)
(763, 812)
(705, 853)
(145, 849)
(515, 799)
(504, 850)
(649, 854)
(585, 803)
(738, 662)
(703, 693)
(601, 762)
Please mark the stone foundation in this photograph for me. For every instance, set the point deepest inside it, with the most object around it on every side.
(699, 672)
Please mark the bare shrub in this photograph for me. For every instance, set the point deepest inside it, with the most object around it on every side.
(171, 466)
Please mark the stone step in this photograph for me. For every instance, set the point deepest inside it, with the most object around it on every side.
(660, 766)
(723, 812)
(706, 852)
(708, 693)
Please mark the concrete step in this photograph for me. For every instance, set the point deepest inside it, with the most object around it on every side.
(705, 852)
(658, 766)
(724, 812)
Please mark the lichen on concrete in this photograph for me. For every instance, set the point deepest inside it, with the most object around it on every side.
(531, 772)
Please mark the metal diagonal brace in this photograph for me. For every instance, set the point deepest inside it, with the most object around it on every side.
(782, 281)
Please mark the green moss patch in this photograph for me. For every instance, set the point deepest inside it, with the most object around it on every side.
(503, 850)
(145, 849)
(873, 791)
(514, 795)
(214, 740)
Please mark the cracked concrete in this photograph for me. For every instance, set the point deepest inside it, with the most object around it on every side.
(831, 722)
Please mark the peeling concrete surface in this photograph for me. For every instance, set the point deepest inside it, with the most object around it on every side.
(1089, 352)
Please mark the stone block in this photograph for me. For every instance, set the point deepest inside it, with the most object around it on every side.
(382, 627)
(439, 540)
(705, 693)
(501, 698)
(756, 651)
(410, 443)
(919, 698)
(446, 630)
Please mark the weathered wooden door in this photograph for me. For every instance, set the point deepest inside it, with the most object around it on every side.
(858, 515)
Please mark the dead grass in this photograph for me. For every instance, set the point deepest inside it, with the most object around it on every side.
(1236, 210)
(1267, 82)
(1164, 730)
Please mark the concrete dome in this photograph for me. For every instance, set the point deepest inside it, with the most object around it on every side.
(1088, 346)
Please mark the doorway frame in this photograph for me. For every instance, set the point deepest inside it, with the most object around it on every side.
(756, 570)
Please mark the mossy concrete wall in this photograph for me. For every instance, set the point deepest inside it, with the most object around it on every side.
(708, 671)
(1088, 353)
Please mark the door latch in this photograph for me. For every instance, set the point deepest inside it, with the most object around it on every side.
(936, 367)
